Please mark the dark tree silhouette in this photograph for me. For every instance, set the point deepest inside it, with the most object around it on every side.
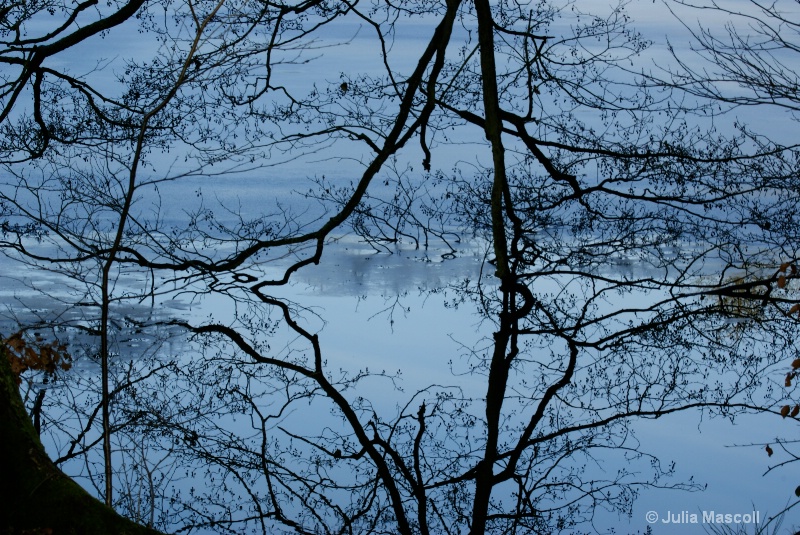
(43, 500)
(629, 273)
(748, 64)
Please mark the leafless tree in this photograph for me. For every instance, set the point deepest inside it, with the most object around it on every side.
(743, 64)
(577, 168)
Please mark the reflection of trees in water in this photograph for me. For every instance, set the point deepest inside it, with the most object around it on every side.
(536, 137)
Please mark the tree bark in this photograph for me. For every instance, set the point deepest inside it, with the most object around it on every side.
(38, 497)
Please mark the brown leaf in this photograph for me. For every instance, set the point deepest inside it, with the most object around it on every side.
(784, 266)
(38, 355)
(795, 364)
(785, 411)
(781, 282)
(769, 451)
(795, 411)
(788, 382)
(794, 308)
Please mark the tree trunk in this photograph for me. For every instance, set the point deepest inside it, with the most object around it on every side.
(38, 498)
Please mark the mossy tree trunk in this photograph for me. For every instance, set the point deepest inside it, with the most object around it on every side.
(37, 497)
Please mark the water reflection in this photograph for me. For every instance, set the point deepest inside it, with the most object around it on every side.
(352, 268)
(359, 328)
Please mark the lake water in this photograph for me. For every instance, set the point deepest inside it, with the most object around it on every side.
(376, 310)
(390, 308)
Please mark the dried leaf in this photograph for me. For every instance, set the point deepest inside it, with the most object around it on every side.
(781, 282)
(770, 452)
(788, 381)
(785, 411)
(36, 355)
(794, 308)
(795, 364)
(795, 411)
(784, 266)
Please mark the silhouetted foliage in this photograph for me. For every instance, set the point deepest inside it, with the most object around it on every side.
(629, 251)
